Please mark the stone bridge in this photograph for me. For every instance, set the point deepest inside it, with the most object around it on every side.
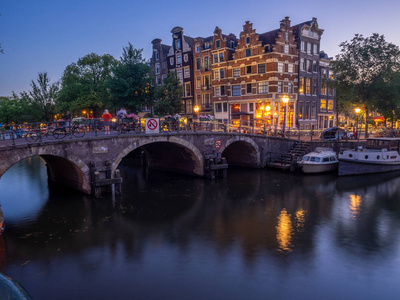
(72, 162)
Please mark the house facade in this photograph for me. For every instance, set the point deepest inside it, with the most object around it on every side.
(276, 77)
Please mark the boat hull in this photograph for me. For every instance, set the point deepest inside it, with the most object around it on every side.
(348, 167)
(318, 168)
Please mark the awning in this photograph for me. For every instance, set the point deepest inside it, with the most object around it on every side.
(379, 119)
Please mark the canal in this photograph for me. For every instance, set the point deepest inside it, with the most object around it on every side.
(257, 234)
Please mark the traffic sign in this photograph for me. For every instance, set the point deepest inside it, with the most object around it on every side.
(152, 125)
(218, 144)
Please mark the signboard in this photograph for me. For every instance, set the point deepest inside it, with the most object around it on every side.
(152, 125)
(217, 144)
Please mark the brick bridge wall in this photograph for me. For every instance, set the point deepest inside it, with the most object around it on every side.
(69, 161)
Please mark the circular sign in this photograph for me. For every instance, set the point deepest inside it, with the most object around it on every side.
(217, 144)
(152, 124)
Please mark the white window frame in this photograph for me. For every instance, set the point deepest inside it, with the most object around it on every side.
(280, 67)
(236, 88)
(236, 72)
(262, 87)
(187, 72)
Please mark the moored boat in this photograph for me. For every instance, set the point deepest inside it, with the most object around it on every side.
(319, 161)
(377, 156)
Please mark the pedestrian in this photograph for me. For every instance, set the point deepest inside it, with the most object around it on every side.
(67, 118)
(106, 117)
(121, 113)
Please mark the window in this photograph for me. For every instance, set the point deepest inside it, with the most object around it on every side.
(206, 64)
(222, 72)
(206, 82)
(197, 48)
(323, 89)
(262, 87)
(314, 86)
(290, 68)
(315, 49)
(217, 91)
(217, 43)
(314, 66)
(163, 78)
(207, 45)
(248, 69)
(251, 106)
(180, 75)
(248, 88)
(308, 48)
(157, 55)
(248, 52)
(179, 58)
(301, 85)
(198, 82)
(216, 74)
(158, 80)
(308, 86)
(221, 56)
(187, 72)
(218, 107)
(218, 57)
(309, 66)
(280, 67)
(330, 105)
(248, 40)
(158, 69)
(290, 88)
(302, 46)
(225, 107)
(232, 44)
(261, 68)
(323, 104)
(286, 49)
(236, 72)
(206, 101)
(279, 86)
(185, 57)
(187, 89)
(286, 36)
(177, 44)
(198, 64)
(236, 90)
(302, 64)
(215, 58)
(222, 87)
(171, 61)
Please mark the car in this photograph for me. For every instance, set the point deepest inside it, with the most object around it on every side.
(335, 133)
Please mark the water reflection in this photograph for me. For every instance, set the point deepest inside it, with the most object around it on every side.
(246, 234)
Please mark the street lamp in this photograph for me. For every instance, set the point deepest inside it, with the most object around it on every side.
(285, 100)
(357, 110)
(196, 110)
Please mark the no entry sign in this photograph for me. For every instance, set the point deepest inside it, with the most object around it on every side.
(152, 125)
(217, 144)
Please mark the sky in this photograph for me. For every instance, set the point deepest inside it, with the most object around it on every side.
(47, 35)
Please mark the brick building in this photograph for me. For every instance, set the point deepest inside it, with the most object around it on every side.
(249, 77)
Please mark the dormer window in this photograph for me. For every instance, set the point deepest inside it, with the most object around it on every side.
(197, 48)
(207, 45)
(178, 44)
(156, 55)
(248, 52)
(232, 44)
(248, 40)
(217, 43)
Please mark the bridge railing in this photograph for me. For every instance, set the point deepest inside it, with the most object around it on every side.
(43, 130)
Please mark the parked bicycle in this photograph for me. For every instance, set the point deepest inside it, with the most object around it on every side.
(62, 132)
(34, 134)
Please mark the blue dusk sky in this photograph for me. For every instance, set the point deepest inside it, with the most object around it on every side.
(46, 36)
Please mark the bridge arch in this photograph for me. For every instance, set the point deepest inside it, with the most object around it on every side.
(71, 171)
(242, 151)
(167, 152)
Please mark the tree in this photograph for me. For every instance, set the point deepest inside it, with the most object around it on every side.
(84, 84)
(169, 96)
(360, 62)
(44, 94)
(130, 86)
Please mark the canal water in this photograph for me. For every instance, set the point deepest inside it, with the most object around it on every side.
(257, 234)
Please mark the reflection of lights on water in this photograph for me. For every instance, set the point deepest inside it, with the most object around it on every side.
(284, 231)
(300, 219)
(355, 203)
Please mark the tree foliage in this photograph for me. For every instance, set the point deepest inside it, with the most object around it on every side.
(84, 84)
(44, 94)
(130, 86)
(169, 96)
(361, 64)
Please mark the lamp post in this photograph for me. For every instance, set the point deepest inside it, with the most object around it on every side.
(285, 100)
(196, 110)
(357, 111)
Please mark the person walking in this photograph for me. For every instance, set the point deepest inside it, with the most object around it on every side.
(106, 117)
(121, 113)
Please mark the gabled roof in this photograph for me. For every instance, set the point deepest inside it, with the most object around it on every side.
(188, 40)
(268, 37)
(165, 49)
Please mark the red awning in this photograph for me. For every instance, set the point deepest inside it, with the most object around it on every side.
(377, 119)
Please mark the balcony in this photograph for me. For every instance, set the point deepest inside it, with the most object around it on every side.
(206, 87)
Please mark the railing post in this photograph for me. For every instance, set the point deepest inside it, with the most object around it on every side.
(12, 135)
(240, 126)
(40, 133)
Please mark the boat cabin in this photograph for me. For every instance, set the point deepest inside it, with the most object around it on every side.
(391, 144)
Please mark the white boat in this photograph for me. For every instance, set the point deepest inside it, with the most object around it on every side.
(320, 161)
(377, 156)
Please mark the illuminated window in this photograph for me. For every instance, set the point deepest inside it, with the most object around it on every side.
(301, 85)
(262, 87)
(323, 104)
(330, 105)
(308, 86)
